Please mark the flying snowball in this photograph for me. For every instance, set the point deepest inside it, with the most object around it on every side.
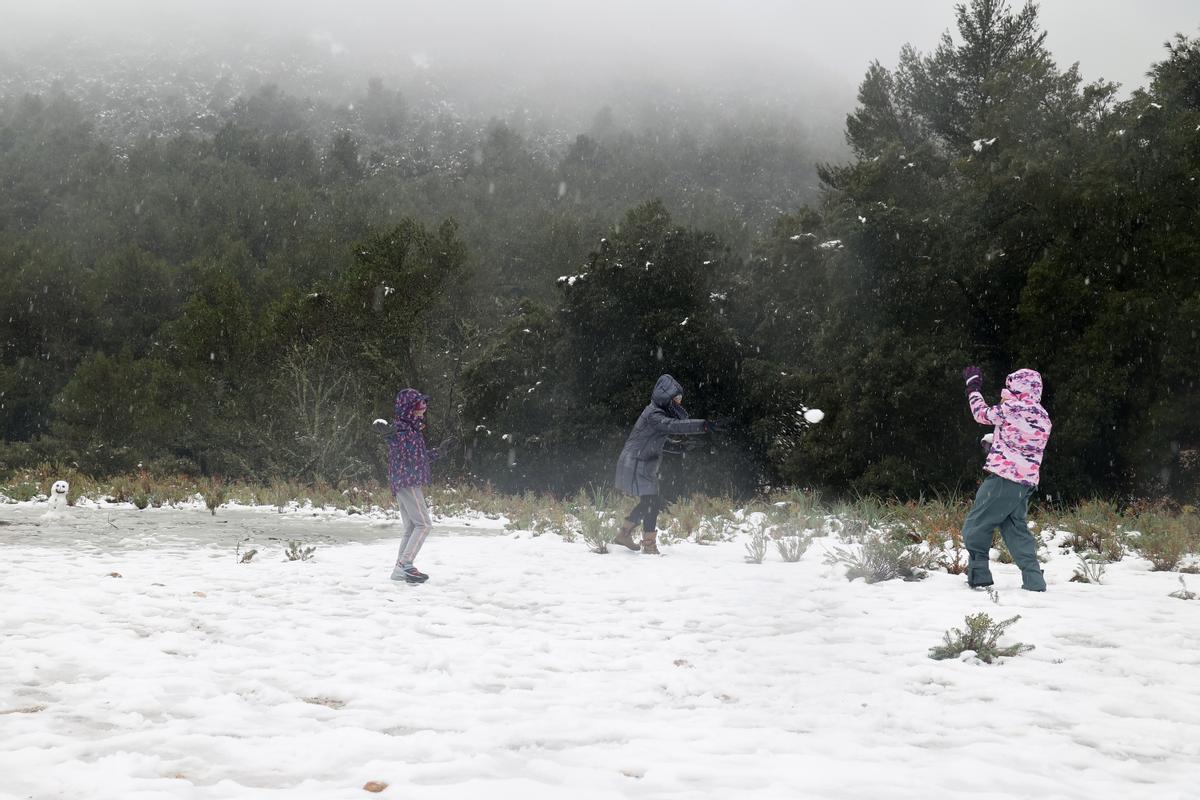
(814, 415)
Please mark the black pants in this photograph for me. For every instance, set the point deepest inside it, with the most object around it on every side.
(646, 512)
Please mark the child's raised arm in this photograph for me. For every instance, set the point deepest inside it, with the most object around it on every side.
(980, 410)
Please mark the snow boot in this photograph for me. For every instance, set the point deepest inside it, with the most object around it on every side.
(650, 543)
(624, 538)
(409, 574)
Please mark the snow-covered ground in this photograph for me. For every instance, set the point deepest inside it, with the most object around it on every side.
(139, 660)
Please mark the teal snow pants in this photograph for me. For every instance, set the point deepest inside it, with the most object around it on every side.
(1001, 503)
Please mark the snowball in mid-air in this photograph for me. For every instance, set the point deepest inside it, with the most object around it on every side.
(814, 415)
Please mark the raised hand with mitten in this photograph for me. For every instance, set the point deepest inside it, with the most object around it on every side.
(974, 379)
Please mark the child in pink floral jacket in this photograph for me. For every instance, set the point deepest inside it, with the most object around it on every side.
(1021, 430)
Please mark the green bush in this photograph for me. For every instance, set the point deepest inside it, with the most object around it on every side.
(1165, 540)
(1093, 526)
(686, 518)
(883, 558)
(937, 521)
(597, 524)
(862, 516)
(981, 636)
(215, 493)
(298, 551)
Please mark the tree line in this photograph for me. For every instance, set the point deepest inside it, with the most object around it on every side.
(244, 303)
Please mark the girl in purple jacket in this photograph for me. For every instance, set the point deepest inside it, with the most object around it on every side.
(1021, 428)
(408, 471)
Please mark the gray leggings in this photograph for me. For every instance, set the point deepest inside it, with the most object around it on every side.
(417, 522)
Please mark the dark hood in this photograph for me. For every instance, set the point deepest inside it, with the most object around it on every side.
(665, 388)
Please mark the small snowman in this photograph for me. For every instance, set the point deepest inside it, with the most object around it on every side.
(58, 500)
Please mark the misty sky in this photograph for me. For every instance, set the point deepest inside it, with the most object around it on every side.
(769, 45)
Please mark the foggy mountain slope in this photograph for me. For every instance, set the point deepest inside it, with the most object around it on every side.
(755, 151)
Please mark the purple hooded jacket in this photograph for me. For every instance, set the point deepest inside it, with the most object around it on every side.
(1022, 428)
(408, 457)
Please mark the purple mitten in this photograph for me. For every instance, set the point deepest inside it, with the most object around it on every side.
(974, 378)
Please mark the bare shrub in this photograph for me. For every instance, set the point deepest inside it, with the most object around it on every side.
(756, 544)
(1183, 593)
(1090, 568)
(319, 432)
(793, 547)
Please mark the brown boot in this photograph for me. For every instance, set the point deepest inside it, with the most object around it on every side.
(623, 537)
(650, 543)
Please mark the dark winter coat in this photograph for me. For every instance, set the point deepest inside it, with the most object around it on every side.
(637, 467)
(408, 457)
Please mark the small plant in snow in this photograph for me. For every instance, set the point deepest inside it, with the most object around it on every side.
(1094, 525)
(756, 545)
(882, 558)
(709, 531)
(793, 546)
(981, 637)
(1183, 594)
(688, 517)
(1164, 540)
(1090, 568)
(937, 521)
(597, 525)
(298, 551)
(555, 520)
(861, 517)
(215, 494)
(522, 512)
(598, 530)
(564, 525)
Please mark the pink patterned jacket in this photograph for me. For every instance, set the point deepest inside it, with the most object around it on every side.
(1022, 428)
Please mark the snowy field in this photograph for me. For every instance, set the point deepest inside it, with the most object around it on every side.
(139, 660)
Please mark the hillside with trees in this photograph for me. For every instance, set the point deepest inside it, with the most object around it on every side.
(235, 279)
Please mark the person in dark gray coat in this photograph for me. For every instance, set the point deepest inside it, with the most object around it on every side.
(638, 464)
